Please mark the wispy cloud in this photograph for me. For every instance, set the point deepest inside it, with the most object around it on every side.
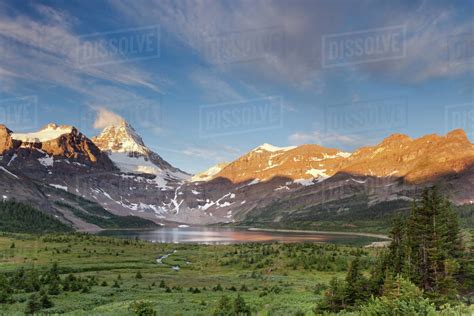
(430, 32)
(301, 26)
(326, 139)
(43, 52)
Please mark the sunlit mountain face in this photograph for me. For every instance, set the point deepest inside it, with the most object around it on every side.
(236, 157)
(219, 113)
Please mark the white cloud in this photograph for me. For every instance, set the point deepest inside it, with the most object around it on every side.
(297, 63)
(43, 52)
(325, 139)
(430, 32)
(106, 118)
(293, 33)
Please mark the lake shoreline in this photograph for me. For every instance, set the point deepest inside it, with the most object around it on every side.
(373, 235)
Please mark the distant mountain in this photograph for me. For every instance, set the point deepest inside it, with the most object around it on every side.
(311, 179)
(129, 153)
(295, 163)
(51, 144)
(83, 182)
(39, 166)
(416, 160)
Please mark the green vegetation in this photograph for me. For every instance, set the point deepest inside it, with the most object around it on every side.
(86, 274)
(426, 268)
(22, 218)
(83, 274)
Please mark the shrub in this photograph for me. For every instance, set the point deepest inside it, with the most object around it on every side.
(142, 308)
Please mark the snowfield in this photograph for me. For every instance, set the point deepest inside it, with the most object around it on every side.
(50, 132)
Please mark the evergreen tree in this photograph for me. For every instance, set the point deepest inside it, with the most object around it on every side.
(378, 273)
(334, 297)
(356, 283)
(397, 246)
(5, 290)
(240, 307)
(33, 304)
(45, 301)
(224, 307)
(401, 297)
(427, 248)
(54, 288)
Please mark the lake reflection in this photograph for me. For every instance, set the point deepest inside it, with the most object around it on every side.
(221, 235)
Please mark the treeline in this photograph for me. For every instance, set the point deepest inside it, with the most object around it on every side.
(22, 218)
(426, 268)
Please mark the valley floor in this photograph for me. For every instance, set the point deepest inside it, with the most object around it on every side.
(273, 279)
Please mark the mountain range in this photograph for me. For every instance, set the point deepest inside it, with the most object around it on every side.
(85, 182)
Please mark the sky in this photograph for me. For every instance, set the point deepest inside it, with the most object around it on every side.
(206, 81)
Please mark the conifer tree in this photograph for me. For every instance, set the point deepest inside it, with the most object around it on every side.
(428, 249)
(355, 283)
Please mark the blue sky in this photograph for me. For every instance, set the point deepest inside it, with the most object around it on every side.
(206, 81)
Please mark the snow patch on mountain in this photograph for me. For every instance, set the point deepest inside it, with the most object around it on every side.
(8, 172)
(49, 132)
(304, 182)
(209, 173)
(12, 159)
(271, 148)
(129, 164)
(318, 173)
(58, 186)
(46, 161)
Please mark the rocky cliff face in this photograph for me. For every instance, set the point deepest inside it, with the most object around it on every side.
(51, 143)
(6, 141)
(307, 182)
(415, 160)
(295, 163)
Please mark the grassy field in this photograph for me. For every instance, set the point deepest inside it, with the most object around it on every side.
(274, 279)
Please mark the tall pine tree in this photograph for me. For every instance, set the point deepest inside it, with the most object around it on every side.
(427, 248)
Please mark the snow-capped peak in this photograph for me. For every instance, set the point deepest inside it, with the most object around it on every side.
(47, 133)
(121, 138)
(130, 154)
(271, 148)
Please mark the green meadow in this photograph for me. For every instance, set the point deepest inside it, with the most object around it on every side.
(273, 279)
